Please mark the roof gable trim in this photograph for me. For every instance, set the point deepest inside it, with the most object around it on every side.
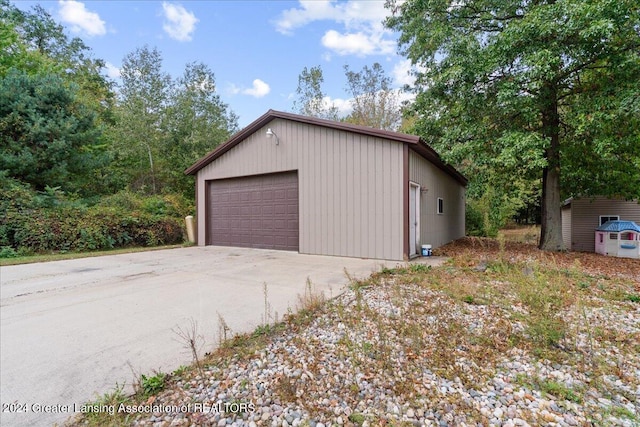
(415, 142)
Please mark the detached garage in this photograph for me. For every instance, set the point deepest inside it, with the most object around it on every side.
(315, 186)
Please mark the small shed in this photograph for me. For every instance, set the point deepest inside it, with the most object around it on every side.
(618, 238)
(315, 186)
(581, 216)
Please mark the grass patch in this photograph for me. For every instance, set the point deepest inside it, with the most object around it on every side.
(104, 410)
(30, 259)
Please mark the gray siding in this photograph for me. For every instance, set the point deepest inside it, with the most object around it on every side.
(566, 226)
(350, 198)
(585, 216)
(437, 229)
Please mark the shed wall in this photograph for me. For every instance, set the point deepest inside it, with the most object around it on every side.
(585, 216)
(566, 226)
(437, 229)
(350, 198)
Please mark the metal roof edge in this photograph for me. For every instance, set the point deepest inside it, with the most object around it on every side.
(415, 142)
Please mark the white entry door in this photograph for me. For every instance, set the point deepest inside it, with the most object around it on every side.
(414, 219)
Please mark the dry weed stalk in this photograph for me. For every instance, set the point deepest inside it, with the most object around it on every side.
(191, 340)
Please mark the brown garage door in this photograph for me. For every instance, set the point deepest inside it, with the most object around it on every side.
(258, 211)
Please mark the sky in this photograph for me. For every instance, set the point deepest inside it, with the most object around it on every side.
(256, 49)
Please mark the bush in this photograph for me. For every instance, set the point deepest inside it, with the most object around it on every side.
(48, 221)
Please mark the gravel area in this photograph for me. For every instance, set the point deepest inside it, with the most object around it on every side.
(480, 341)
(395, 352)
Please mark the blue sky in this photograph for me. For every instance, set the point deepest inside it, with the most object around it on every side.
(256, 48)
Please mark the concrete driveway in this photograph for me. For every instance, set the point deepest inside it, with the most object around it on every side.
(70, 330)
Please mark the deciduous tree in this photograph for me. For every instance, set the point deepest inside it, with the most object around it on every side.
(375, 102)
(546, 87)
(312, 101)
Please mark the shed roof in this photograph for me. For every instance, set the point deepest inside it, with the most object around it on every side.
(414, 142)
(618, 226)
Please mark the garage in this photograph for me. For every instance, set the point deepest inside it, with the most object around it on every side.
(259, 211)
(322, 187)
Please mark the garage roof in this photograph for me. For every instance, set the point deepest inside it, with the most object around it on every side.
(414, 142)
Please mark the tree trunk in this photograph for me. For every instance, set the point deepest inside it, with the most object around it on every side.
(551, 231)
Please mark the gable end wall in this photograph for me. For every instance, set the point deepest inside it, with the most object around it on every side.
(585, 216)
(350, 186)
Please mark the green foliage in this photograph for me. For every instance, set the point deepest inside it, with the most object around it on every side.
(152, 385)
(633, 298)
(311, 98)
(164, 125)
(46, 136)
(375, 103)
(51, 221)
(512, 91)
(8, 252)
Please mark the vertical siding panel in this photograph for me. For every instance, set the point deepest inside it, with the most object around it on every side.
(437, 229)
(585, 217)
(566, 226)
(350, 224)
(377, 207)
(330, 175)
(335, 175)
(306, 155)
(325, 187)
(314, 195)
(339, 188)
(397, 207)
(365, 183)
(356, 223)
(385, 201)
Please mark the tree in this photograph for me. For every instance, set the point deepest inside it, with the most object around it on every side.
(312, 101)
(34, 42)
(47, 137)
(374, 101)
(199, 121)
(547, 87)
(142, 116)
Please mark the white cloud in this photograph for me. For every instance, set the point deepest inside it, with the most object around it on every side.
(359, 44)
(344, 106)
(258, 90)
(112, 71)
(402, 73)
(362, 32)
(180, 23)
(351, 13)
(81, 20)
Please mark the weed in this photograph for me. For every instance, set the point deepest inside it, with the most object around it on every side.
(310, 301)
(633, 298)
(152, 385)
(420, 268)
(223, 329)
(103, 411)
(286, 389)
(622, 412)
(267, 306)
(559, 390)
(192, 341)
(386, 271)
(357, 418)
(180, 370)
(261, 330)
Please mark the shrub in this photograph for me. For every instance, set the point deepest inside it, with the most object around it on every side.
(51, 221)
